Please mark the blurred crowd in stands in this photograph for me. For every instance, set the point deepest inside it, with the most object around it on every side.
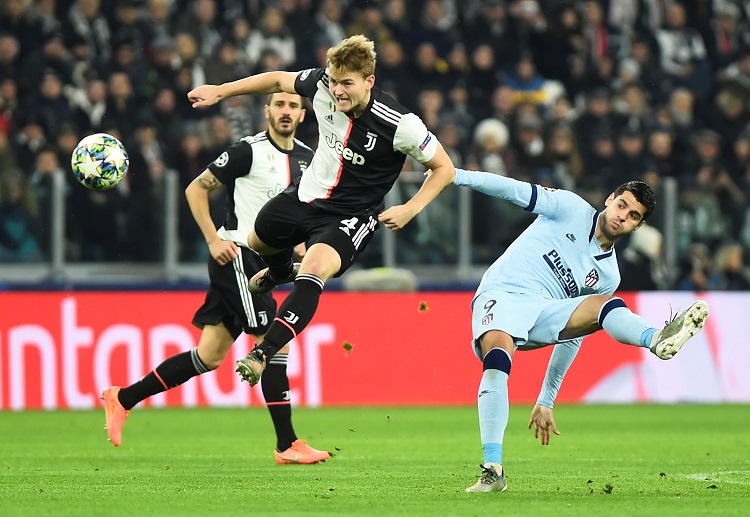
(581, 95)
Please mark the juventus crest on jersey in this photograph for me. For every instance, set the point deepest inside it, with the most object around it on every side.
(358, 159)
(254, 170)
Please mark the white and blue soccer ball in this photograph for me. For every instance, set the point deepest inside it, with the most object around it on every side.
(99, 161)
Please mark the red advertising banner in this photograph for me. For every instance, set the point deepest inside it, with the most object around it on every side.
(60, 350)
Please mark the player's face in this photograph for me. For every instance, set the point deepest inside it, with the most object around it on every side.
(622, 216)
(284, 113)
(351, 91)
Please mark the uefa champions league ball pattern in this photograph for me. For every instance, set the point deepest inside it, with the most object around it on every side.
(99, 161)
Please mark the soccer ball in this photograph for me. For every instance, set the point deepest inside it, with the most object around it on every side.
(99, 161)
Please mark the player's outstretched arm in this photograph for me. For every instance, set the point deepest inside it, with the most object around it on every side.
(267, 82)
(441, 175)
(197, 196)
(543, 422)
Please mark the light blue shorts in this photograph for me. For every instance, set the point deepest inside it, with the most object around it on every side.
(533, 321)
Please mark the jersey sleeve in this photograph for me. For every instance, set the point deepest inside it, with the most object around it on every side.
(234, 162)
(553, 203)
(559, 362)
(306, 83)
(413, 139)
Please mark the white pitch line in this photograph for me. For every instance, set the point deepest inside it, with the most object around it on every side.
(720, 477)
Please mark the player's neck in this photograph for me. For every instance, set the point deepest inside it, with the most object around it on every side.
(284, 142)
(605, 243)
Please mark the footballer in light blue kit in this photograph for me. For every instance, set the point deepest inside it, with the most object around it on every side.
(554, 285)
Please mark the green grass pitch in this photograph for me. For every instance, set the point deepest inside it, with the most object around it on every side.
(610, 460)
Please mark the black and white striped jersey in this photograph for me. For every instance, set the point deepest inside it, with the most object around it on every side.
(254, 169)
(358, 160)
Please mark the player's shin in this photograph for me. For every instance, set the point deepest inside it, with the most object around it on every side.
(170, 373)
(492, 403)
(275, 385)
(625, 326)
(294, 314)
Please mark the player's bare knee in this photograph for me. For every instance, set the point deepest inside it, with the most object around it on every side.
(496, 339)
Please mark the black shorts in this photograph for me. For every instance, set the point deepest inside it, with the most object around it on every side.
(229, 301)
(285, 221)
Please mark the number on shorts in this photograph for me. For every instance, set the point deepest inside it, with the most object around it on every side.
(361, 232)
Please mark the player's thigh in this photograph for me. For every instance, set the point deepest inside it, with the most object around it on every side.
(347, 235)
(585, 318)
(228, 299)
(280, 223)
(555, 321)
(511, 313)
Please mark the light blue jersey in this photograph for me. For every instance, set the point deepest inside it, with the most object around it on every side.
(531, 290)
(557, 256)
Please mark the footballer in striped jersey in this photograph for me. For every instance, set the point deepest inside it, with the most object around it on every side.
(364, 139)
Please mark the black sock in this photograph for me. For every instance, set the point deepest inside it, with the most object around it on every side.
(172, 372)
(280, 264)
(294, 314)
(275, 385)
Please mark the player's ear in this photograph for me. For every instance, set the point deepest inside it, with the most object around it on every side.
(302, 114)
(370, 81)
(610, 199)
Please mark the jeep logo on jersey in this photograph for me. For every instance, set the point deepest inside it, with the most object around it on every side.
(222, 160)
(371, 139)
(346, 153)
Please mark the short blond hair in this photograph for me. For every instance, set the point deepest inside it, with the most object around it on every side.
(355, 54)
